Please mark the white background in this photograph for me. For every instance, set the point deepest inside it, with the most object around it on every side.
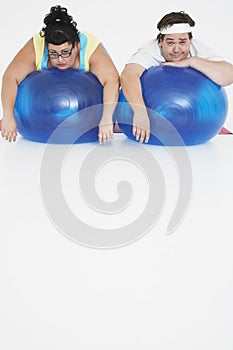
(161, 292)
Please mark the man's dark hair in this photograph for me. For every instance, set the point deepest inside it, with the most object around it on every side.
(172, 18)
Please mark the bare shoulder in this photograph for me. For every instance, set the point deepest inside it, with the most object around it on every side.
(23, 63)
(101, 63)
(101, 55)
(27, 51)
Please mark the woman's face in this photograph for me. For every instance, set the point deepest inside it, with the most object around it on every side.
(62, 56)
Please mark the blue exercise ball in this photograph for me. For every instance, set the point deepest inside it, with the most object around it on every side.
(184, 106)
(54, 99)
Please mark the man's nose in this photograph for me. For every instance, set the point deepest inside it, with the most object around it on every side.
(176, 47)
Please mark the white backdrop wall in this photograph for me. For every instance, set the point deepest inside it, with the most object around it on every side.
(121, 25)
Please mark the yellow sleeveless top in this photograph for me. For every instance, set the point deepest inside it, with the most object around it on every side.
(88, 44)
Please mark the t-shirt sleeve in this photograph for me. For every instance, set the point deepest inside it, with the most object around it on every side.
(148, 55)
(204, 51)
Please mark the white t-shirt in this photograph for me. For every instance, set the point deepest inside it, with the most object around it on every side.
(149, 54)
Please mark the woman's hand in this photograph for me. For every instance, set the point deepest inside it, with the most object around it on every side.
(9, 129)
(104, 69)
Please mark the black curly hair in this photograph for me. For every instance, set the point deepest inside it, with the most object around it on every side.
(59, 27)
(172, 18)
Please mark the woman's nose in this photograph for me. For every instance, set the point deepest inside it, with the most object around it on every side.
(60, 58)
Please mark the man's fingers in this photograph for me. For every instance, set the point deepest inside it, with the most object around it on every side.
(141, 134)
(147, 136)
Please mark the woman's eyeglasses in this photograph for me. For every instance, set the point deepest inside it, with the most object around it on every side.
(63, 54)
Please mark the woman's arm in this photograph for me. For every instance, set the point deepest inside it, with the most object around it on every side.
(103, 67)
(22, 64)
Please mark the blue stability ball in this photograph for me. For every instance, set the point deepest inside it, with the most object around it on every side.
(52, 100)
(184, 107)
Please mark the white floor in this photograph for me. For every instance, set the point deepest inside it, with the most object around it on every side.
(159, 292)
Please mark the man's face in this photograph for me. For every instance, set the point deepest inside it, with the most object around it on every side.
(175, 47)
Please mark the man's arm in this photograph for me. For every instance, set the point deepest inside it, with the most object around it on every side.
(220, 72)
(131, 87)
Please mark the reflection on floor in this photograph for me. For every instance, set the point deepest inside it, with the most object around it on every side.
(158, 292)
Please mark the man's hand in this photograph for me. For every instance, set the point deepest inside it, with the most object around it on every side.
(182, 63)
(141, 125)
